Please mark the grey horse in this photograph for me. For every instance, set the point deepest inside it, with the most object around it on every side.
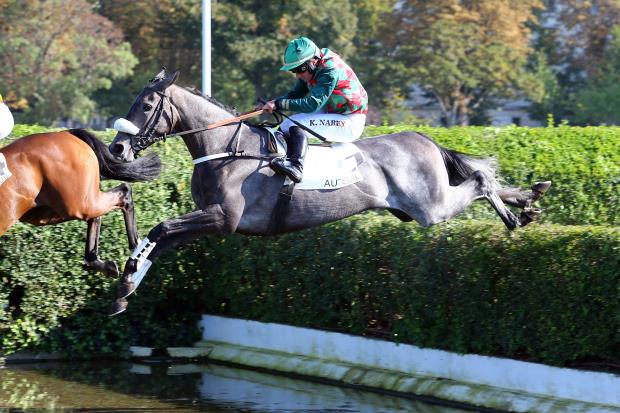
(406, 173)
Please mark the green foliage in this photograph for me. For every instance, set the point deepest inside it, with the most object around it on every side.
(548, 292)
(251, 36)
(55, 54)
(580, 44)
(466, 287)
(596, 103)
(464, 54)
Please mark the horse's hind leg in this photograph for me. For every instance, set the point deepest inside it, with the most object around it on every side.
(92, 249)
(509, 219)
(524, 199)
(457, 198)
(101, 203)
(128, 214)
(521, 198)
(117, 197)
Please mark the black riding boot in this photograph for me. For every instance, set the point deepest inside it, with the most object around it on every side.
(296, 147)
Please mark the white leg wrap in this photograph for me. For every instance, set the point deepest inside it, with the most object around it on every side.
(142, 251)
(139, 254)
(139, 275)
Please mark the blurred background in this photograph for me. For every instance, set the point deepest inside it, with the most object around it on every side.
(442, 62)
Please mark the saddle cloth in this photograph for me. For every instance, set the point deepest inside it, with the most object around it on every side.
(325, 167)
(4, 169)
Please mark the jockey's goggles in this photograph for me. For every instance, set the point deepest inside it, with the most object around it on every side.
(300, 69)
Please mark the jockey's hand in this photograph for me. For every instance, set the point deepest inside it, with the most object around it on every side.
(268, 106)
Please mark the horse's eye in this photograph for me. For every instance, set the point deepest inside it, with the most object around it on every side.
(147, 107)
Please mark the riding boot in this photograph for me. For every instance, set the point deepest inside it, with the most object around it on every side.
(297, 145)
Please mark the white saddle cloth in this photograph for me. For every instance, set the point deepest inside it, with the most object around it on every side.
(325, 167)
(6, 120)
(4, 169)
(331, 167)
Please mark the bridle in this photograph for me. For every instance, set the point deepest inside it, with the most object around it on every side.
(145, 137)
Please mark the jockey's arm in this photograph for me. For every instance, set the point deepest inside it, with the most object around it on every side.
(322, 90)
(300, 90)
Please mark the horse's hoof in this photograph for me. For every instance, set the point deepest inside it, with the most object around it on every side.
(529, 216)
(117, 307)
(111, 269)
(540, 188)
(125, 289)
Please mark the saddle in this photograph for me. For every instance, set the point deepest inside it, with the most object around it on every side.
(326, 166)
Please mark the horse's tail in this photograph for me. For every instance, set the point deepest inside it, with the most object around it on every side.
(460, 165)
(145, 168)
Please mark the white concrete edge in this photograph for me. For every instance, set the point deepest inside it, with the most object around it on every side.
(511, 375)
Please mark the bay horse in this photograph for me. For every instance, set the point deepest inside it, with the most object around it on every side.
(235, 191)
(54, 177)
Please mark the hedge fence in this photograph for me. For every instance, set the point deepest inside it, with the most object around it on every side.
(549, 292)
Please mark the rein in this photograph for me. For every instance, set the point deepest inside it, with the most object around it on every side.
(243, 116)
(145, 138)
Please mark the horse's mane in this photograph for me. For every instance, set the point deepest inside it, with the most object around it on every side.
(230, 109)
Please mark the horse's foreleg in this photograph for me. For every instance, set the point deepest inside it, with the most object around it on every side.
(91, 258)
(163, 237)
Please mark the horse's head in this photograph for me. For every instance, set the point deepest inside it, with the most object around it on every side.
(150, 119)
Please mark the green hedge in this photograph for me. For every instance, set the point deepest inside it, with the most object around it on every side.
(548, 292)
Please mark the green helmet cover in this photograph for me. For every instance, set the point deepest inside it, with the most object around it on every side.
(299, 51)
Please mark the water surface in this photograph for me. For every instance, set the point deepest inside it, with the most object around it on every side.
(113, 387)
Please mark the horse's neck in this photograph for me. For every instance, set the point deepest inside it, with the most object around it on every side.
(197, 112)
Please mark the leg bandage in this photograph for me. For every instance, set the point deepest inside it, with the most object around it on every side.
(143, 264)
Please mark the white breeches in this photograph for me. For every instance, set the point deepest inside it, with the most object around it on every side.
(332, 126)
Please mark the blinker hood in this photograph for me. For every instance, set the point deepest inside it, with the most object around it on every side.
(125, 126)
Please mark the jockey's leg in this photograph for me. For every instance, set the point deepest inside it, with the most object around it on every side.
(333, 127)
(296, 147)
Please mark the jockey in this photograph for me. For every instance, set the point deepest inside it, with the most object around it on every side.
(328, 97)
(6, 120)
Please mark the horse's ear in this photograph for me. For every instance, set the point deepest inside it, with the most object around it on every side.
(158, 77)
(175, 76)
(165, 83)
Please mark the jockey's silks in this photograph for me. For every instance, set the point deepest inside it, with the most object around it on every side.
(334, 88)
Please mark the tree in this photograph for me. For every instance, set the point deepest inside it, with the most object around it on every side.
(598, 101)
(575, 37)
(374, 62)
(251, 36)
(163, 33)
(585, 31)
(464, 53)
(55, 54)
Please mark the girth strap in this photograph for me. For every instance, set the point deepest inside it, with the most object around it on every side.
(280, 211)
(214, 156)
